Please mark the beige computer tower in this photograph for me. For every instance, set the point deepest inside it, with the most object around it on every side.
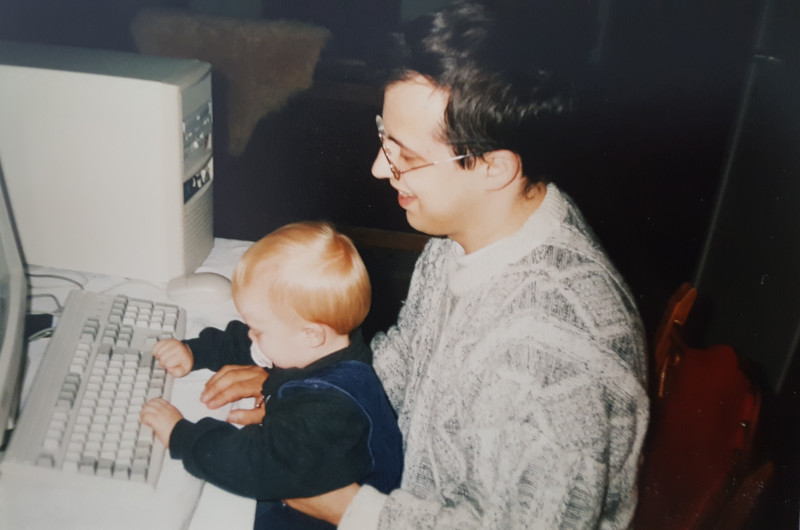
(107, 158)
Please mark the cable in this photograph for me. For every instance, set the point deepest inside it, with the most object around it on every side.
(59, 307)
(56, 277)
(128, 282)
(41, 334)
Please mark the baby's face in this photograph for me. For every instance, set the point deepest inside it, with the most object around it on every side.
(277, 330)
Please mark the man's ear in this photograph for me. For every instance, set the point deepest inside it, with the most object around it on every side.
(314, 334)
(502, 168)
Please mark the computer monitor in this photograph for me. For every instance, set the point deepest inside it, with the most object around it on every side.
(13, 306)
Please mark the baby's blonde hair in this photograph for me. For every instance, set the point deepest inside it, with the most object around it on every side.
(311, 268)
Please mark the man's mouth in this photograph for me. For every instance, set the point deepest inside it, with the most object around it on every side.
(404, 199)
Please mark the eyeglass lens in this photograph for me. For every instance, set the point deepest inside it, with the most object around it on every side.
(396, 173)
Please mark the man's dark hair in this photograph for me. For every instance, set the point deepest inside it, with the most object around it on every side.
(507, 69)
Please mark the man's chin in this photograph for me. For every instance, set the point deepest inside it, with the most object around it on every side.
(421, 226)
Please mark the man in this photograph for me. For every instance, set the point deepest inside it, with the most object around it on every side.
(517, 365)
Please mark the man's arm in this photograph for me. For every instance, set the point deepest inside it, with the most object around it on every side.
(394, 352)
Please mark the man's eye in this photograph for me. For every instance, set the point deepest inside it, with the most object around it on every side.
(409, 159)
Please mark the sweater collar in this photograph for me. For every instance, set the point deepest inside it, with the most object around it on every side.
(467, 271)
(356, 351)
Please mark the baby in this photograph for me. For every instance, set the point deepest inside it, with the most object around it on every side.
(302, 292)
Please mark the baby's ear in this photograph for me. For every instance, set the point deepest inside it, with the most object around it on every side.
(314, 334)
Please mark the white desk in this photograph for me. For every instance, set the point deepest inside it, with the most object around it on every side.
(214, 508)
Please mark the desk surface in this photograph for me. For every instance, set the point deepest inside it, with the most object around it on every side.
(215, 508)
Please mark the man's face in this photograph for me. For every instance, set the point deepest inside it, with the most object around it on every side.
(440, 199)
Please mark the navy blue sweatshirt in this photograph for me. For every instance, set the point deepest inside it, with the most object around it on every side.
(313, 439)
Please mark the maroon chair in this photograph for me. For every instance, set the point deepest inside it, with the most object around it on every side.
(697, 469)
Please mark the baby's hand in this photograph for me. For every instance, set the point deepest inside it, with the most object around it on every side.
(161, 416)
(174, 356)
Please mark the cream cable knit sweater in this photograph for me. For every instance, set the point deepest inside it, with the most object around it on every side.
(518, 375)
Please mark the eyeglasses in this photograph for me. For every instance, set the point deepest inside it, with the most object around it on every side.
(397, 172)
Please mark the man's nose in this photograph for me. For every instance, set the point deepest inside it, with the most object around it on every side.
(380, 166)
